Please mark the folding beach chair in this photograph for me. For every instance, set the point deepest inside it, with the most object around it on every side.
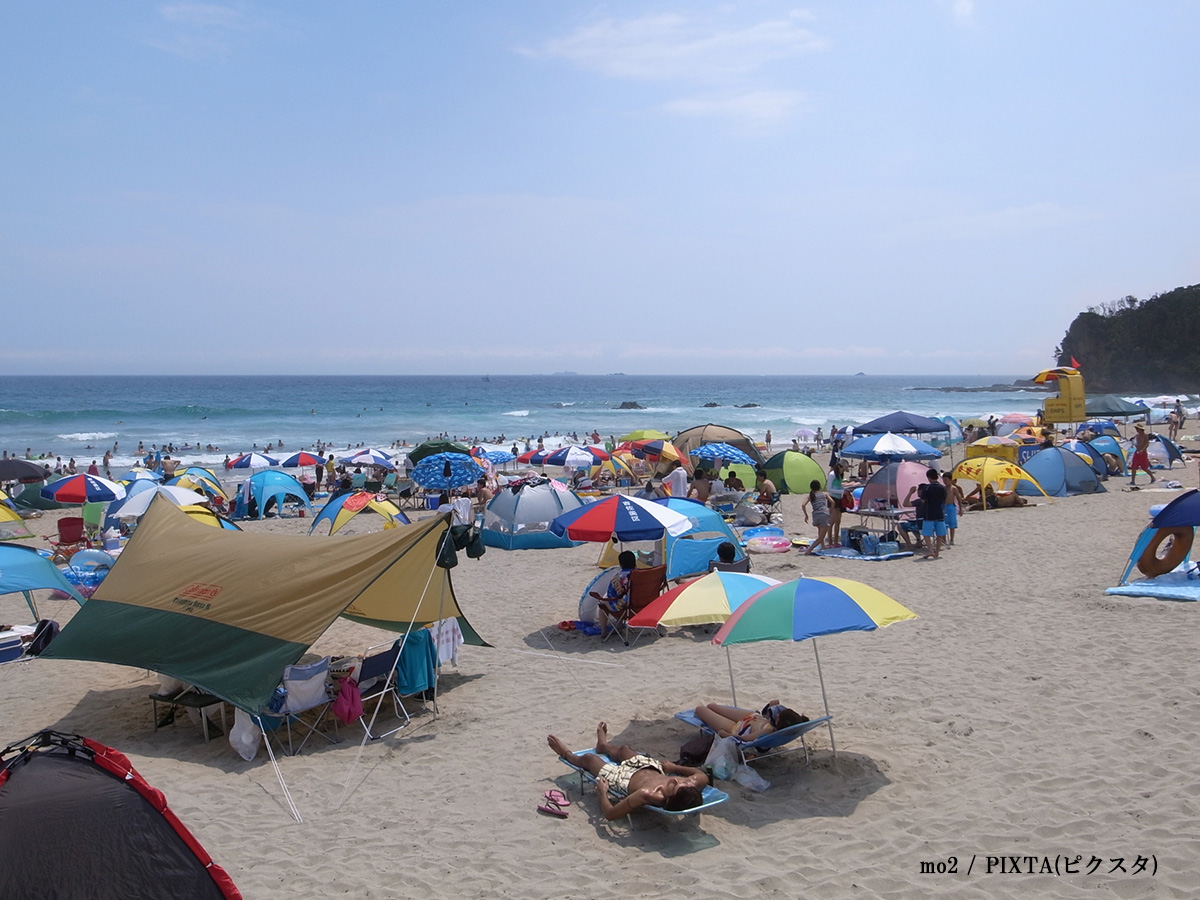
(711, 796)
(765, 745)
(775, 504)
(644, 586)
(305, 689)
(377, 682)
(71, 538)
(740, 565)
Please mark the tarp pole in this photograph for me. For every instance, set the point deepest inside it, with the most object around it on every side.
(287, 795)
(824, 699)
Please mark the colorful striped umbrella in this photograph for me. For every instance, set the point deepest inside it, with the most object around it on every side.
(806, 608)
(303, 458)
(572, 455)
(370, 457)
(625, 518)
(254, 461)
(659, 450)
(83, 489)
(703, 601)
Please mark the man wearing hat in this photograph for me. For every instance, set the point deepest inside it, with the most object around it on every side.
(1140, 459)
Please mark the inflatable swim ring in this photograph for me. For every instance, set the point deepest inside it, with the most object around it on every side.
(768, 545)
(1153, 564)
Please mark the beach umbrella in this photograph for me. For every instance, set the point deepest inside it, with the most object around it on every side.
(254, 461)
(901, 422)
(446, 471)
(498, 457)
(22, 470)
(625, 518)
(303, 458)
(660, 451)
(572, 455)
(140, 474)
(996, 440)
(888, 447)
(721, 451)
(199, 485)
(369, 457)
(83, 489)
(1016, 419)
(703, 601)
(644, 434)
(136, 505)
(430, 448)
(808, 608)
(805, 433)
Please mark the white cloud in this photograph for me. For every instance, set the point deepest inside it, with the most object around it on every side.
(963, 10)
(204, 14)
(756, 107)
(661, 47)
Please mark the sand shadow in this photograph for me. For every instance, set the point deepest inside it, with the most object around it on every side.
(551, 639)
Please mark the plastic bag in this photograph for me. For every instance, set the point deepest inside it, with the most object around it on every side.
(748, 778)
(722, 758)
(244, 735)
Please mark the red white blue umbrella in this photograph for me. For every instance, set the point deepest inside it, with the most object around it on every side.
(303, 458)
(625, 518)
(370, 457)
(254, 461)
(83, 489)
(572, 455)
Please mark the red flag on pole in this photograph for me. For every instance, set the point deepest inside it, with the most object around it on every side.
(1074, 363)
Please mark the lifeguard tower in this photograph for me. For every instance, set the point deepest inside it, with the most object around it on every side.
(1070, 405)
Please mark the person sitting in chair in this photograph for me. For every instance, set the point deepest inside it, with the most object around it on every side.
(616, 596)
(746, 724)
(643, 780)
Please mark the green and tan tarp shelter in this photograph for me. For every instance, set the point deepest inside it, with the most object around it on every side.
(227, 610)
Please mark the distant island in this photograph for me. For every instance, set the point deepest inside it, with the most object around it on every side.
(1138, 346)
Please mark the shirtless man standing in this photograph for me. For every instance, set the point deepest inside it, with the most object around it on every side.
(645, 781)
(1140, 459)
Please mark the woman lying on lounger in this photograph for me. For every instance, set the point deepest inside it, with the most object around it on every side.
(746, 724)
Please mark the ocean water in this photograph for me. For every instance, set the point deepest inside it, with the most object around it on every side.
(81, 417)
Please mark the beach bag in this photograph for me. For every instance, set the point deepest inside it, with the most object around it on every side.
(856, 536)
(870, 545)
(695, 750)
(43, 634)
(348, 705)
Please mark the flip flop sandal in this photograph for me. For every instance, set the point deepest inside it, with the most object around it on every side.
(554, 795)
(550, 808)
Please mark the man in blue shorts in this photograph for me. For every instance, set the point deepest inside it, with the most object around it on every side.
(933, 528)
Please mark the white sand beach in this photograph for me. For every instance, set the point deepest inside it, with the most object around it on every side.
(1024, 714)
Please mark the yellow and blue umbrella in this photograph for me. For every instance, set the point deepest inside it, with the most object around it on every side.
(711, 598)
(807, 608)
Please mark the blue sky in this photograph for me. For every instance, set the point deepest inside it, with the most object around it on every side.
(933, 186)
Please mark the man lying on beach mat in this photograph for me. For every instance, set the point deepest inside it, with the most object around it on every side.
(645, 781)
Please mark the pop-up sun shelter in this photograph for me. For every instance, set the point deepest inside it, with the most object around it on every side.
(1059, 473)
(227, 610)
(518, 517)
(274, 485)
(23, 570)
(78, 820)
(1164, 545)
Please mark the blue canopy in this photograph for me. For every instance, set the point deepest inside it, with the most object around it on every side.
(23, 569)
(1182, 512)
(276, 485)
(901, 422)
(446, 471)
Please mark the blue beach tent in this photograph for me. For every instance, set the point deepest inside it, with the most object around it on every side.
(24, 570)
(1094, 459)
(519, 517)
(1061, 473)
(1108, 444)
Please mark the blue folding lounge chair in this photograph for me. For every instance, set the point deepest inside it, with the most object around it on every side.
(711, 795)
(765, 745)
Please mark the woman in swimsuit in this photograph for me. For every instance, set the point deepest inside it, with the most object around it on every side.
(746, 724)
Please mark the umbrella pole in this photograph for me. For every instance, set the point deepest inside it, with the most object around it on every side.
(824, 698)
(732, 689)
